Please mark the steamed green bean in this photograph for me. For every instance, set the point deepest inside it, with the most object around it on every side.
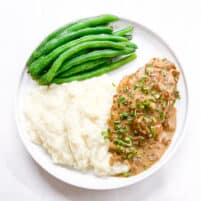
(42, 62)
(124, 31)
(74, 26)
(96, 72)
(47, 78)
(84, 67)
(61, 39)
(98, 54)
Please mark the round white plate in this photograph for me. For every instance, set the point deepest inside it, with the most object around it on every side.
(150, 45)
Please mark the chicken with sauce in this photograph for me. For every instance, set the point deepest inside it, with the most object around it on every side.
(143, 116)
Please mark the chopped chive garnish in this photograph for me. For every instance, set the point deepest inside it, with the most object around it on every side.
(176, 78)
(148, 71)
(126, 174)
(154, 120)
(128, 140)
(135, 86)
(113, 84)
(155, 95)
(177, 95)
(167, 103)
(144, 89)
(143, 104)
(125, 89)
(119, 148)
(105, 135)
(122, 130)
(117, 126)
(124, 115)
(119, 129)
(123, 143)
(164, 72)
(129, 121)
(152, 132)
(133, 113)
(131, 154)
(161, 114)
(117, 122)
(146, 104)
(145, 118)
(143, 80)
(121, 100)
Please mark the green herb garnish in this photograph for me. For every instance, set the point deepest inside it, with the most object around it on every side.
(133, 113)
(121, 100)
(117, 122)
(143, 80)
(113, 84)
(148, 71)
(105, 135)
(131, 95)
(152, 132)
(155, 95)
(154, 120)
(120, 129)
(131, 154)
(161, 114)
(124, 115)
(177, 95)
(123, 143)
(144, 89)
(125, 89)
(119, 148)
(135, 86)
(129, 121)
(164, 72)
(126, 174)
(143, 104)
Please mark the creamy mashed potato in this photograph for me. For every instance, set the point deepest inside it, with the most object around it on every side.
(67, 121)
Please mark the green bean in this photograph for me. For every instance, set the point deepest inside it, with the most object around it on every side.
(130, 44)
(84, 67)
(96, 72)
(98, 54)
(93, 21)
(42, 62)
(49, 37)
(128, 36)
(47, 78)
(61, 39)
(45, 70)
(123, 31)
(74, 26)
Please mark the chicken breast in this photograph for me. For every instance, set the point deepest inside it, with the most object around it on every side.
(143, 110)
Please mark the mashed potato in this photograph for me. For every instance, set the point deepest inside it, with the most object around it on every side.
(67, 121)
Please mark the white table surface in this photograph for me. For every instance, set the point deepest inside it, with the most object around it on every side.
(24, 23)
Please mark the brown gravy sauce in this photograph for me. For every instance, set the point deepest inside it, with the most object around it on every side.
(143, 116)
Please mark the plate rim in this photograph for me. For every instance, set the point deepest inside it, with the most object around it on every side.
(159, 164)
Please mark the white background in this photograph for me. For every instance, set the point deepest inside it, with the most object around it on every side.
(24, 23)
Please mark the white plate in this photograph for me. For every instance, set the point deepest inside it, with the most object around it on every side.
(150, 45)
